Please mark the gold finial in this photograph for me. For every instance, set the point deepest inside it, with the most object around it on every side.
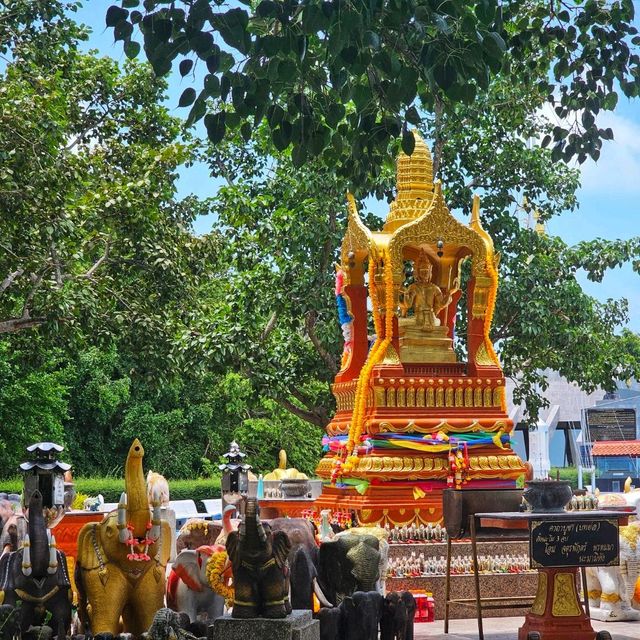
(539, 227)
(415, 172)
(414, 182)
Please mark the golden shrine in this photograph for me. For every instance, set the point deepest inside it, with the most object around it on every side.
(411, 418)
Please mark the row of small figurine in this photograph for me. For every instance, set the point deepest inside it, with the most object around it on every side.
(429, 533)
(587, 502)
(419, 566)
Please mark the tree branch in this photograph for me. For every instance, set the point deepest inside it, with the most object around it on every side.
(269, 327)
(439, 142)
(13, 325)
(307, 416)
(309, 323)
(89, 274)
(10, 279)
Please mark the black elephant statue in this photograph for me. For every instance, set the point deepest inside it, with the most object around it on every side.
(356, 618)
(303, 558)
(37, 576)
(9, 622)
(345, 565)
(259, 561)
(398, 613)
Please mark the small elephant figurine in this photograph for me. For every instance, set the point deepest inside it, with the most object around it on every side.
(356, 618)
(260, 568)
(187, 587)
(398, 613)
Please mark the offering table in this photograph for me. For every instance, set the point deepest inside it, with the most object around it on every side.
(561, 543)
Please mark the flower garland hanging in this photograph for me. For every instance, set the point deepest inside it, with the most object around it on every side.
(375, 355)
(215, 576)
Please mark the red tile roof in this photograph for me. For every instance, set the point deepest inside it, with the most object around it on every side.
(616, 448)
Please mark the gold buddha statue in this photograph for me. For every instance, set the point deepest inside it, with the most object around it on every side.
(424, 297)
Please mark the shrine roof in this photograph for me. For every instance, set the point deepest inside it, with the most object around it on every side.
(616, 448)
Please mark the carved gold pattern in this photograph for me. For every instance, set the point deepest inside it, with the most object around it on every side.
(448, 397)
(401, 400)
(439, 397)
(477, 397)
(488, 397)
(431, 401)
(459, 400)
(380, 396)
(436, 223)
(481, 291)
(420, 401)
(391, 397)
(391, 356)
(411, 397)
(565, 599)
(498, 396)
(468, 397)
(357, 238)
(416, 467)
(483, 358)
(538, 605)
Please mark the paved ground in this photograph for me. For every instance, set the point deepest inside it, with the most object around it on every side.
(507, 629)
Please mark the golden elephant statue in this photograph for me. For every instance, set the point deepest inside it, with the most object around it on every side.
(121, 563)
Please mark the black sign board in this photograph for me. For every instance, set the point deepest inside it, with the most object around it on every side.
(611, 424)
(573, 543)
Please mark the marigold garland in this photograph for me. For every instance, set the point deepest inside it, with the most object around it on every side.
(215, 576)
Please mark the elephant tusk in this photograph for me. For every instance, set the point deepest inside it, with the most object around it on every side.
(320, 595)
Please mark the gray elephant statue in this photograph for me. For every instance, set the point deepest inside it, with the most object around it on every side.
(188, 589)
(398, 613)
(303, 558)
(356, 618)
(13, 526)
(37, 576)
(345, 565)
(259, 560)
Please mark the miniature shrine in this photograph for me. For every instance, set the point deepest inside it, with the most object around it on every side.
(412, 418)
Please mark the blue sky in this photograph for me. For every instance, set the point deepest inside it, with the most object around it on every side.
(609, 196)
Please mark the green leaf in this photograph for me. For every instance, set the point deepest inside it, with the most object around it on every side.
(185, 66)
(408, 142)
(216, 127)
(187, 97)
(115, 14)
(131, 49)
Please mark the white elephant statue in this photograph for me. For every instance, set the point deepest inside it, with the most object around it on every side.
(188, 589)
(614, 592)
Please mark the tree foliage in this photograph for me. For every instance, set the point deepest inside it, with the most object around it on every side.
(340, 79)
(92, 236)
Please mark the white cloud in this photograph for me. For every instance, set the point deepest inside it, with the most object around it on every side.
(618, 168)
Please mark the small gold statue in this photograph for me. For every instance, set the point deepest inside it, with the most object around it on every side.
(424, 297)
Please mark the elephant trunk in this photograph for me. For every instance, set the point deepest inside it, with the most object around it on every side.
(252, 533)
(137, 506)
(37, 549)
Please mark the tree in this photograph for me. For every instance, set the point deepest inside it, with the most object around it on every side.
(339, 79)
(94, 243)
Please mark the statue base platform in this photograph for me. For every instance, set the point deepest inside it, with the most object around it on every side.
(299, 625)
(421, 345)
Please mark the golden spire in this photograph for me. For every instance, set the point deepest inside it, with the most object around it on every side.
(414, 182)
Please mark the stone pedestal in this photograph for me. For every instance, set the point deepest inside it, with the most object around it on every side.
(298, 626)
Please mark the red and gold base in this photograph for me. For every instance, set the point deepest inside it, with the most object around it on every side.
(556, 613)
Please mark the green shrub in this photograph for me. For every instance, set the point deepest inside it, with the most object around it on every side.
(111, 488)
(567, 473)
